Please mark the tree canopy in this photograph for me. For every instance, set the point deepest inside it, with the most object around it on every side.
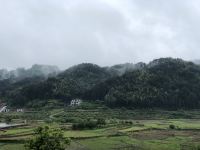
(163, 83)
(47, 139)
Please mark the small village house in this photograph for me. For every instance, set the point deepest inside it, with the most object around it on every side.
(75, 102)
(3, 108)
(20, 110)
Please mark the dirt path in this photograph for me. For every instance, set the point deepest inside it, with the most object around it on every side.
(52, 115)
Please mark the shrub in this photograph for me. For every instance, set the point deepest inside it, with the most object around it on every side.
(86, 124)
(47, 139)
(128, 122)
(8, 119)
(171, 126)
(101, 121)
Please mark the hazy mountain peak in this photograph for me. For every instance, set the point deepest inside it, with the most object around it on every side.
(120, 69)
(35, 71)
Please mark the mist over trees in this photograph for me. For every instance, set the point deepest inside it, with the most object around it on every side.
(34, 71)
(168, 83)
(163, 83)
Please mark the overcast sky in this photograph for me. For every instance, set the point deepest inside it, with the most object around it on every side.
(105, 32)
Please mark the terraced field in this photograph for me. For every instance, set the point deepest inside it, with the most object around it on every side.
(118, 134)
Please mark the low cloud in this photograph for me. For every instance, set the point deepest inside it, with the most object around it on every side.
(104, 32)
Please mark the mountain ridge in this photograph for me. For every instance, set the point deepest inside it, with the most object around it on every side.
(160, 83)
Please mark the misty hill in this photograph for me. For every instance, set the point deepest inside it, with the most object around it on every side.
(71, 83)
(120, 69)
(34, 71)
(86, 75)
(164, 83)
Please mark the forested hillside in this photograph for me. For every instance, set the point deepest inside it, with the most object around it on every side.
(163, 83)
(71, 83)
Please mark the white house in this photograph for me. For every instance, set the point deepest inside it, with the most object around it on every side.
(4, 109)
(75, 102)
(20, 110)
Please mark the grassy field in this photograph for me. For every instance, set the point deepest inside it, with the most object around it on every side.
(146, 132)
(11, 146)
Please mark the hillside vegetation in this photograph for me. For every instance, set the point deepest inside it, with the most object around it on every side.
(169, 83)
(163, 83)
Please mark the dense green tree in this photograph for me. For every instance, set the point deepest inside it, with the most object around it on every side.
(47, 139)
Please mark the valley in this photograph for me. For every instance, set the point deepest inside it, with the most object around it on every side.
(122, 107)
(124, 129)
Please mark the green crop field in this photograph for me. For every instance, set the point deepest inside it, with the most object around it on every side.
(130, 132)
